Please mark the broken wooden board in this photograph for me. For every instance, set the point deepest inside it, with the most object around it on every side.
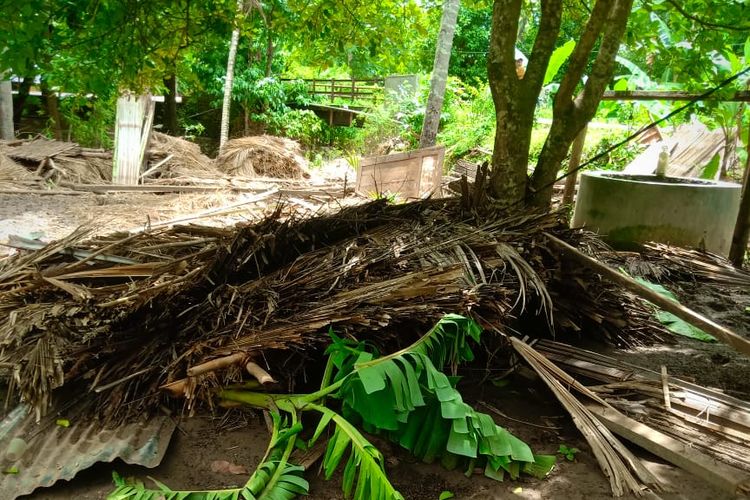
(709, 421)
(412, 175)
(726, 477)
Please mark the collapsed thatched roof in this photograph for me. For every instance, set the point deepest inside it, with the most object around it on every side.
(119, 316)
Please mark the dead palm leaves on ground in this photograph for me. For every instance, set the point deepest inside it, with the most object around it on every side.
(122, 315)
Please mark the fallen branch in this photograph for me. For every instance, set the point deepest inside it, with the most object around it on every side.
(723, 334)
(217, 364)
(259, 373)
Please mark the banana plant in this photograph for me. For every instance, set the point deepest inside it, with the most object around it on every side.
(405, 397)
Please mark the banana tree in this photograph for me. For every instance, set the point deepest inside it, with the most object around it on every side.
(405, 397)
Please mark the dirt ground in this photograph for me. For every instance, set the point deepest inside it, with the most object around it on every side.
(199, 441)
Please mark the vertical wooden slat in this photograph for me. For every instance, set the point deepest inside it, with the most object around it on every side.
(135, 116)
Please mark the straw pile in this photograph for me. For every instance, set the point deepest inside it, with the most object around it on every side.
(263, 156)
(116, 318)
(180, 159)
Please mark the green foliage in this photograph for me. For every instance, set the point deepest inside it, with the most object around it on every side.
(557, 59)
(407, 398)
(568, 452)
(711, 168)
(91, 122)
(672, 322)
(274, 479)
(469, 121)
(364, 465)
(446, 495)
(299, 124)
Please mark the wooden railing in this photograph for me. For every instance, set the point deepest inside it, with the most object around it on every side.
(367, 89)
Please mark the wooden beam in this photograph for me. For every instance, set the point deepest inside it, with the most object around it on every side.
(671, 95)
(721, 333)
(721, 475)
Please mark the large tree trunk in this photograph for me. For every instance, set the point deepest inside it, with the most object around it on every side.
(515, 97)
(6, 110)
(439, 73)
(170, 105)
(229, 80)
(571, 112)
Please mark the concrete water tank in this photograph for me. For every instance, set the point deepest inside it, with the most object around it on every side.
(628, 209)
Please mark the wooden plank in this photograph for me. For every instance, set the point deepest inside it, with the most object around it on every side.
(40, 149)
(670, 95)
(723, 476)
(721, 333)
(413, 174)
(416, 153)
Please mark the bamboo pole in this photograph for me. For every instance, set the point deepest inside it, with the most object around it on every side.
(723, 334)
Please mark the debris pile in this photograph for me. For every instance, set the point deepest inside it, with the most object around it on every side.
(118, 317)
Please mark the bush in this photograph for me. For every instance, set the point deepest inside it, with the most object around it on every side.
(91, 122)
(301, 125)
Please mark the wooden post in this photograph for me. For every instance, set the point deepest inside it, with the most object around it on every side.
(6, 109)
(135, 116)
(575, 160)
(742, 227)
(333, 89)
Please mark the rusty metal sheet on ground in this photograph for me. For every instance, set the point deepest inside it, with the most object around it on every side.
(37, 455)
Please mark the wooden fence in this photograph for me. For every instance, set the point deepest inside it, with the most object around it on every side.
(348, 89)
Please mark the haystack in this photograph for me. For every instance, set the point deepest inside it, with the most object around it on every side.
(263, 156)
(184, 158)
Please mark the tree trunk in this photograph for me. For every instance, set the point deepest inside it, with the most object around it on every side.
(170, 105)
(6, 110)
(270, 49)
(742, 227)
(229, 80)
(572, 112)
(20, 100)
(50, 101)
(439, 73)
(515, 98)
(575, 160)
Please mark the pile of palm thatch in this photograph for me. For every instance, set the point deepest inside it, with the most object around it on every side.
(263, 156)
(116, 320)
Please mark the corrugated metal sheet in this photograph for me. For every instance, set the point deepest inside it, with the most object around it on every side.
(45, 453)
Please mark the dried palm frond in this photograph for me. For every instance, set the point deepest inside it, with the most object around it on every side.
(159, 302)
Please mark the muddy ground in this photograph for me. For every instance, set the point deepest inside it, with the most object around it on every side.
(533, 413)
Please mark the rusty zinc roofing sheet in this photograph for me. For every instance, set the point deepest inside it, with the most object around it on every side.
(34, 455)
